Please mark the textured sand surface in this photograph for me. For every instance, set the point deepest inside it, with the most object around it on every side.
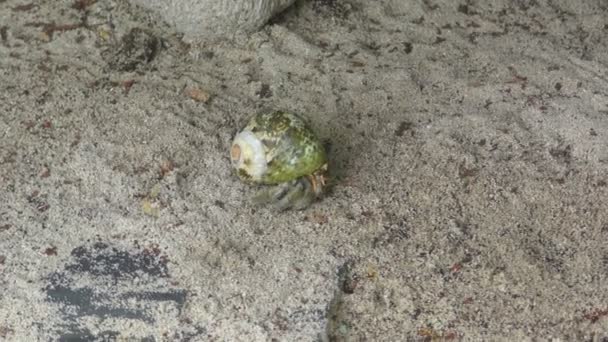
(469, 159)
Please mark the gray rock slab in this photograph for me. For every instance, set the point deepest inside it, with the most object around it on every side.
(215, 19)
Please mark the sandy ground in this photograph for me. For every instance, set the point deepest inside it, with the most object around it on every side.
(469, 160)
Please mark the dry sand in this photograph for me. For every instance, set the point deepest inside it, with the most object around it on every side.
(469, 159)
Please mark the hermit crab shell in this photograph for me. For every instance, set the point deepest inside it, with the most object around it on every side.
(276, 147)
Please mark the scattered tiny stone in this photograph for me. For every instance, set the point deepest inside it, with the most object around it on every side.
(166, 167)
(50, 251)
(45, 172)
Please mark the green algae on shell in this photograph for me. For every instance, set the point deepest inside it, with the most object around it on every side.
(277, 147)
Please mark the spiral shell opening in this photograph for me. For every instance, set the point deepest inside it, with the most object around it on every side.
(248, 156)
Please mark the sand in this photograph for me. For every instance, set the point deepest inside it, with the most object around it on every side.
(469, 160)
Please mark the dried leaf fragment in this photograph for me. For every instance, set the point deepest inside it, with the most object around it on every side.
(198, 95)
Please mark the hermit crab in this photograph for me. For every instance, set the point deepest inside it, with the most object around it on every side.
(278, 151)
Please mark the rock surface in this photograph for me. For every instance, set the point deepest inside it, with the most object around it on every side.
(215, 19)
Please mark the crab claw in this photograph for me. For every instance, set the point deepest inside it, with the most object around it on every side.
(297, 194)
